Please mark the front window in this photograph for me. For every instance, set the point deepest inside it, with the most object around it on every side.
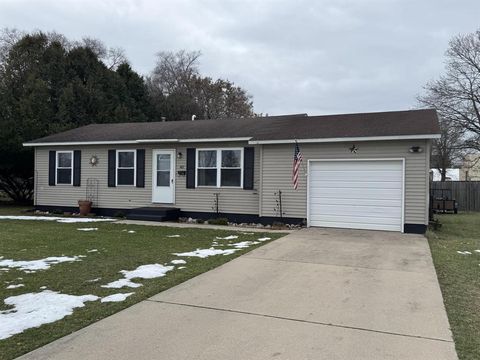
(219, 167)
(64, 166)
(207, 168)
(231, 172)
(126, 167)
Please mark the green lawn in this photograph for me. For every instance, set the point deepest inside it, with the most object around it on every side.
(459, 277)
(117, 250)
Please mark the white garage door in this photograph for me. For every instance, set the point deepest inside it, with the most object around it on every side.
(356, 194)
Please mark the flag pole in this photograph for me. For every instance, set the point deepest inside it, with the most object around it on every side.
(303, 165)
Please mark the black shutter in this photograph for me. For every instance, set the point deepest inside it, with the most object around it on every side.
(248, 163)
(191, 168)
(140, 168)
(52, 158)
(112, 159)
(77, 156)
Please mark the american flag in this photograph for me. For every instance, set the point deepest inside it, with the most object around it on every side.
(297, 160)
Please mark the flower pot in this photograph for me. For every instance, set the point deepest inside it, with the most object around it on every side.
(85, 207)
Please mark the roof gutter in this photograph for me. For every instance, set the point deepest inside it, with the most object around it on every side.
(129, 142)
(346, 139)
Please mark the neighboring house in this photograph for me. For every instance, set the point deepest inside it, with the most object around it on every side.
(470, 170)
(365, 171)
(451, 175)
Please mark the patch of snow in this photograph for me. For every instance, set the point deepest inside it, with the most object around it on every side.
(35, 309)
(15, 286)
(176, 262)
(54, 218)
(129, 231)
(149, 271)
(173, 236)
(244, 244)
(477, 251)
(264, 239)
(203, 253)
(116, 297)
(248, 233)
(93, 250)
(118, 284)
(42, 264)
(94, 280)
(229, 237)
(43, 287)
(87, 229)
(182, 267)
(464, 252)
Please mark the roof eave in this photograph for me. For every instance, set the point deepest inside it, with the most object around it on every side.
(129, 142)
(346, 139)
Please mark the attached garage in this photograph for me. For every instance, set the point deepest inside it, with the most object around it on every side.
(357, 194)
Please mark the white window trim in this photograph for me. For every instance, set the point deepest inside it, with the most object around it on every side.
(57, 167)
(219, 168)
(134, 167)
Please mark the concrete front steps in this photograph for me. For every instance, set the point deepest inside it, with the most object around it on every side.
(154, 214)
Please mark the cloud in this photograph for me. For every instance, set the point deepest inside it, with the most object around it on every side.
(326, 56)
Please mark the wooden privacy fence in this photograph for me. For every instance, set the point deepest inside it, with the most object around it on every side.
(466, 193)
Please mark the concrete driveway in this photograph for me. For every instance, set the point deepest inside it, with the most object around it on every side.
(314, 294)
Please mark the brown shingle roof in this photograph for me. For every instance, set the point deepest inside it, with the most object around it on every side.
(300, 126)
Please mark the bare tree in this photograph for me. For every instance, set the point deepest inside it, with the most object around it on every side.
(457, 92)
(448, 151)
(456, 96)
(95, 45)
(111, 57)
(176, 81)
(115, 57)
(174, 71)
(8, 38)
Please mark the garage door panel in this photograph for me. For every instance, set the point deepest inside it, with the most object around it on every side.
(356, 184)
(359, 210)
(342, 220)
(364, 226)
(354, 165)
(359, 175)
(356, 194)
(360, 202)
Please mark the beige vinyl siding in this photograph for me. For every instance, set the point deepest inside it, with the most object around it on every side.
(231, 200)
(277, 174)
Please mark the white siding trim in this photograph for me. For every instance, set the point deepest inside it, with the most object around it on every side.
(347, 139)
(427, 177)
(139, 141)
(119, 142)
(215, 139)
(363, 159)
(260, 186)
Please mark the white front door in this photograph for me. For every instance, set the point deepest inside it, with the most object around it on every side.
(163, 181)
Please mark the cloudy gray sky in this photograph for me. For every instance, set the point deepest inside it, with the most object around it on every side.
(319, 57)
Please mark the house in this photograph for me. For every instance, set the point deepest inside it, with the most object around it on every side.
(451, 175)
(470, 170)
(363, 171)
